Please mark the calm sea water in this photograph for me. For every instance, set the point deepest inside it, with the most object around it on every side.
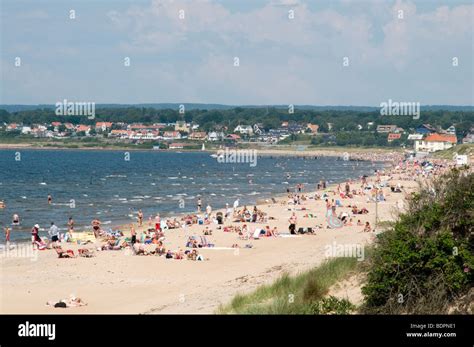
(103, 184)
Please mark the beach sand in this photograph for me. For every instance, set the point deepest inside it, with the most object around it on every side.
(118, 282)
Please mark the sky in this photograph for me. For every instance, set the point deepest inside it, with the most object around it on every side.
(338, 52)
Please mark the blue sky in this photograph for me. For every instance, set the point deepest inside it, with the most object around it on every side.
(282, 60)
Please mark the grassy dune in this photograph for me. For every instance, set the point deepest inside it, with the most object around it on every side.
(301, 294)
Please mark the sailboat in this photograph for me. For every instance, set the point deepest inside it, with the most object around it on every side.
(203, 148)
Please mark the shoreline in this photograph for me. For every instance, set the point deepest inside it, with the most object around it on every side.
(115, 282)
(279, 197)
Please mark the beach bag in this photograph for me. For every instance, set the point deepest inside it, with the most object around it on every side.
(60, 304)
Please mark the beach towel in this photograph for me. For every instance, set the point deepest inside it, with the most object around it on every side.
(204, 242)
(334, 222)
(83, 237)
(257, 232)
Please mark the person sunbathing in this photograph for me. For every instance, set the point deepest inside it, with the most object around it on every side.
(69, 253)
(72, 301)
(160, 249)
(367, 227)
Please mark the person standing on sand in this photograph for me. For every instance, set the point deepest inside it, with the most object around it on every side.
(133, 233)
(140, 218)
(292, 226)
(199, 205)
(7, 236)
(54, 234)
(157, 222)
(70, 223)
(34, 235)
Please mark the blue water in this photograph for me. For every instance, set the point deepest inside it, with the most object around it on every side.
(105, 185)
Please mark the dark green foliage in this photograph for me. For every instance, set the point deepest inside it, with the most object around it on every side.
(426, 260)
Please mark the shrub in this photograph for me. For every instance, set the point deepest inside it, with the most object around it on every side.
(426, 260)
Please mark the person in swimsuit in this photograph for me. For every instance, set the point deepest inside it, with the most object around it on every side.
(50, 199)
(133, 233)
(96, 227)
(16, 219)
(34, 235)
(199, 205)
(292, 226)
(157, 222)
(140, 218)
(7, 235)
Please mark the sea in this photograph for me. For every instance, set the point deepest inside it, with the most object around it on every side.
(113, 185)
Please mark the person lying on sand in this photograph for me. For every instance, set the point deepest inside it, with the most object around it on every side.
(367, 227)
(72, 301)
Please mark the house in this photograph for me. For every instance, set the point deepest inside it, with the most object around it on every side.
(435, 142)
(469, 138)
(284, 124)
(12, 127)
(83, 128)
(181, 126)
(370, 125)
(313, 128)
(244, 129)
(257, 129)
(215, 136)
(232, 138)
(425, 129)
(123, 134)
(69, 126)
(393, 136)
(171, 135)
(296, 128)
(55, 124)
(386, 128)
(451, 130)
(26, 130)
(198, 135)
(103, 126)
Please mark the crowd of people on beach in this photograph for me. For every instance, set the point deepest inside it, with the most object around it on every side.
(248, 223)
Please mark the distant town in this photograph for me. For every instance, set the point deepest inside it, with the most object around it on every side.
(179, 135)
(198, 129)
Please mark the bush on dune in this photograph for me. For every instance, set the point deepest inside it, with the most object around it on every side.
(425, 262)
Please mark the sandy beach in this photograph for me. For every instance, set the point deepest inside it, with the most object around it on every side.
(120, 282)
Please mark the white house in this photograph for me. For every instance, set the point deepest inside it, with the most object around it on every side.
(435, 142)
(215, 136)
(244, 129)
(26, 130)
(451, 130)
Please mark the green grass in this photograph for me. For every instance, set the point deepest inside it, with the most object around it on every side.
(301, 294)
(467, 149)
